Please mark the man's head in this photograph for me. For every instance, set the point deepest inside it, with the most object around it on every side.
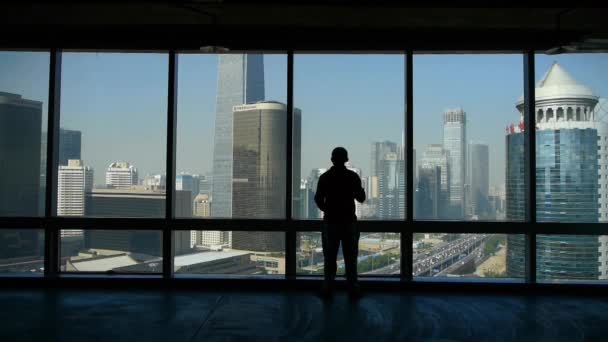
(339, 156)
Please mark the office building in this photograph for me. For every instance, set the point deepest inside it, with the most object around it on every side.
(155, 182)
(134, 202)
(478, 180)
(311, 186)
(570, 179)
(434, 159)
(379, 149)
(121, 175)
(70, 142)
(454, 142)
(240, 81)
(428, 193)
(188, 182)
(391, 187)
(20, 127)
(74, 181)
(259, 169)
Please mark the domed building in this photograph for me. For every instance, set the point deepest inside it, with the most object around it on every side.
(571, 179)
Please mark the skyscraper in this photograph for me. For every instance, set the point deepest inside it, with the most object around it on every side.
(570, 180)
(259, 163)
(454, 141)
(428, 192)
(240, 81)
(311, 185)
(121, 175)
(20, 125)
(185, 181)
(478, 174)
(70, 142)
(391, 185)
(69, 148)
(379, 150)
(74, 181)
(437, 159)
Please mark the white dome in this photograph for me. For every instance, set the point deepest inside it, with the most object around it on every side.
(557, 83)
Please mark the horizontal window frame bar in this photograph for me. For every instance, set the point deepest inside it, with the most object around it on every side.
(281, 225)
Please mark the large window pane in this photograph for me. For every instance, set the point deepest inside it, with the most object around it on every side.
(24, 80)
(112, 140)
(466, 123)
(357, 102)
(571, 162)
(572, 138)
(571, 258)
(22, 251)
(111, 251)
(231, 134)
(379, 254)
(466, 256)
(250, 253)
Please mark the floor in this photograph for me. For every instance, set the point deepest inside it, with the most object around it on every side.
(177, 315)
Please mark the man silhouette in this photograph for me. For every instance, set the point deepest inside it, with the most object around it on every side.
(337, 190)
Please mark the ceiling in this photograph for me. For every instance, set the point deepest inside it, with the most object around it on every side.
(305, 25)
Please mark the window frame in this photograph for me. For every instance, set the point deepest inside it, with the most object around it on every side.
(52, 224)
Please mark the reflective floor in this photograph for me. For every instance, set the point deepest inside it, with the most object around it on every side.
(90, 315)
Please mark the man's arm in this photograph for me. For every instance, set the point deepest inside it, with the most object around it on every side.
(320, 195)
(359, 192)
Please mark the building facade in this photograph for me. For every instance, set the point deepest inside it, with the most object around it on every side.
(391, 187)
(259, 163)
(570, 179)
(74, 181)
(454, 141)
(478, 179)
(121, 175)
(240, 81)
(20, 126)
(435, 159)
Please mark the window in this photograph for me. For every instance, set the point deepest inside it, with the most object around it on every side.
(468, 256)
(232, 119)
(250, 253)
(357, 102)
(467, 164)
(379, 255)
(113, 135)
(571, 258)
(22, 251)
(111, 251)
(24, 81)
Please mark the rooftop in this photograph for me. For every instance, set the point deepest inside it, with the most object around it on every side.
(202, 257)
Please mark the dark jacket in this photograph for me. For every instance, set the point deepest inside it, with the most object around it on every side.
(337, 191)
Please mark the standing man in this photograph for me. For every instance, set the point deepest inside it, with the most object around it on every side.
(337, 190)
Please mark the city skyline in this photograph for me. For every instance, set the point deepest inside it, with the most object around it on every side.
(346, 103)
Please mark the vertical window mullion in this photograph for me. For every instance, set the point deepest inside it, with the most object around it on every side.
(407, 233)
(51, 240)
(530, 165)
(167, 244)
(290, 238)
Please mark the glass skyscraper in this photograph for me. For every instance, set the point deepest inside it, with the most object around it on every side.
(569, 150)
(454, 141)
(240, 81)
(259, 163)
(478, 178)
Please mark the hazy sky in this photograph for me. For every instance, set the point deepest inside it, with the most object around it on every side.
(119, 103)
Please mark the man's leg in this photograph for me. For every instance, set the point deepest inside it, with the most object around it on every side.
(331, 242)
(350, 248)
